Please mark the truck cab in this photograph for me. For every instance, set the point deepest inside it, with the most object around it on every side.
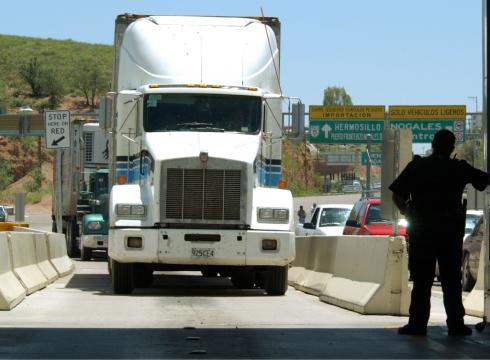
(195, 151)
(94, 224)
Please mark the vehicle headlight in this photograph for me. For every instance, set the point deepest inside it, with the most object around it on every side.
(94, 225)
(128, 210)
(271, 215)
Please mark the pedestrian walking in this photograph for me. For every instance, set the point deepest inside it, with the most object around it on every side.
(313, 208)
(301, 215)
(429, 192)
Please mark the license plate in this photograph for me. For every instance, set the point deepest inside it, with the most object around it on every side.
(202, 252)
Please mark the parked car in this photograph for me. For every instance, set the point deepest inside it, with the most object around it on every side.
(365, 219)
(3, 214)
(328, 219)
(351, 186)
(471, 250)
(472, 218)
(471, 255)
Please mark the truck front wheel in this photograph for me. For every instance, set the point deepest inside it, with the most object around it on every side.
(243, 278)
(143, 276)
(122, 277)
(86, 253)
(276, 280)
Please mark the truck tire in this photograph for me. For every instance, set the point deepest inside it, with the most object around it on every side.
(243, 279)
(122, 277)
(143, 276)
(71, 232)
(209, 273)
(86, 254)
(276, 280)
(467, 280)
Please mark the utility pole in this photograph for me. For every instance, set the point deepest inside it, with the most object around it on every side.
(368, 165)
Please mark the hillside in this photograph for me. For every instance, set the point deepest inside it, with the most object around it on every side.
(67, 64)
(71, 75)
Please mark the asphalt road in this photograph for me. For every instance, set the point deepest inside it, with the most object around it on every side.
(184, 315)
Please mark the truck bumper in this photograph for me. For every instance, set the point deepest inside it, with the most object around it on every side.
(201, 247)
(94, 241)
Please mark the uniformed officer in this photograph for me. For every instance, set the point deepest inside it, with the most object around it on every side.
(429, 191)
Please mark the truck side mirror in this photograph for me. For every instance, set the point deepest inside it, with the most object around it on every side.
(105, 111)
(309, 226)
(298, 122)
(352, 223)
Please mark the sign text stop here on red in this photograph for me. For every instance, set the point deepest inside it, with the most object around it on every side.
(57, 131)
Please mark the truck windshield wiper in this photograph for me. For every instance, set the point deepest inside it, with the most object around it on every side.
(193, 124)
(200, 126)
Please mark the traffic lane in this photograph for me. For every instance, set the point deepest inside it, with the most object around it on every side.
(176, 300)
(38, 221)
(273, 343)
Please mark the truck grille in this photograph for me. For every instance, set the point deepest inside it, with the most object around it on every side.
(203, 194)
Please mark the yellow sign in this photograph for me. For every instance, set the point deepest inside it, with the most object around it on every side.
(427, 112)
(365, 112)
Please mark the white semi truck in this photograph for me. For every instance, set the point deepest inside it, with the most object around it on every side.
(76, 169)
(195, 152)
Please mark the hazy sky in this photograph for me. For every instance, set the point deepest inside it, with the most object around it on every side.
(384, 52)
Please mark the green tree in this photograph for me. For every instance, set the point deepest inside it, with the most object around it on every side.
(91, 79)
(52, 86)
(334, 95)
(35, 182)
(32, 73)
(3, 103)
(5, 174)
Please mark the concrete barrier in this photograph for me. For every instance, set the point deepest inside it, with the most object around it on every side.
(474, 302)
(25, 263)
(58, 255)
(366, 274)
(42, 257)
(11, 290)
(298, 270)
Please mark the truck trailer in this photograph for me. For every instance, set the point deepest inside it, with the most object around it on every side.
(80, 201)
(195, 151)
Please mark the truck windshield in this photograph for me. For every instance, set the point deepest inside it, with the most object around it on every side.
(201, 112)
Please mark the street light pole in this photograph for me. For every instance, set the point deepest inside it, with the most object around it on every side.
(476, 101)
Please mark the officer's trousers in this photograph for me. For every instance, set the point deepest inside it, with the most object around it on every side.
(427, 245)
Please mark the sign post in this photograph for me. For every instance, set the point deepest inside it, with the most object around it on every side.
(57, 129)
(57, 135)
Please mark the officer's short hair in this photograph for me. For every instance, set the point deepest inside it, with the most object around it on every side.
(443, 142)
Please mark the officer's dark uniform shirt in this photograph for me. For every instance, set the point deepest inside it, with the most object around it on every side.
(435, 185)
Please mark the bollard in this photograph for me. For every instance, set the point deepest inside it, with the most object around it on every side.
(19, 207)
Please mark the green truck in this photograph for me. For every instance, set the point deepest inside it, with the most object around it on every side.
(94, 224)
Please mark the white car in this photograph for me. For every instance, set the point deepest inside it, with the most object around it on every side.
(328, 219)
(472, 217)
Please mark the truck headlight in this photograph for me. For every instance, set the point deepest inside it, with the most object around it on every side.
(271, 215)
(94, 225)
(131, 210)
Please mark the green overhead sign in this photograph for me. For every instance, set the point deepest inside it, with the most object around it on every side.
(345, 131)
(423, 130)
(346, 124)
(426, 120)
(375, 158)
(352, 124)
